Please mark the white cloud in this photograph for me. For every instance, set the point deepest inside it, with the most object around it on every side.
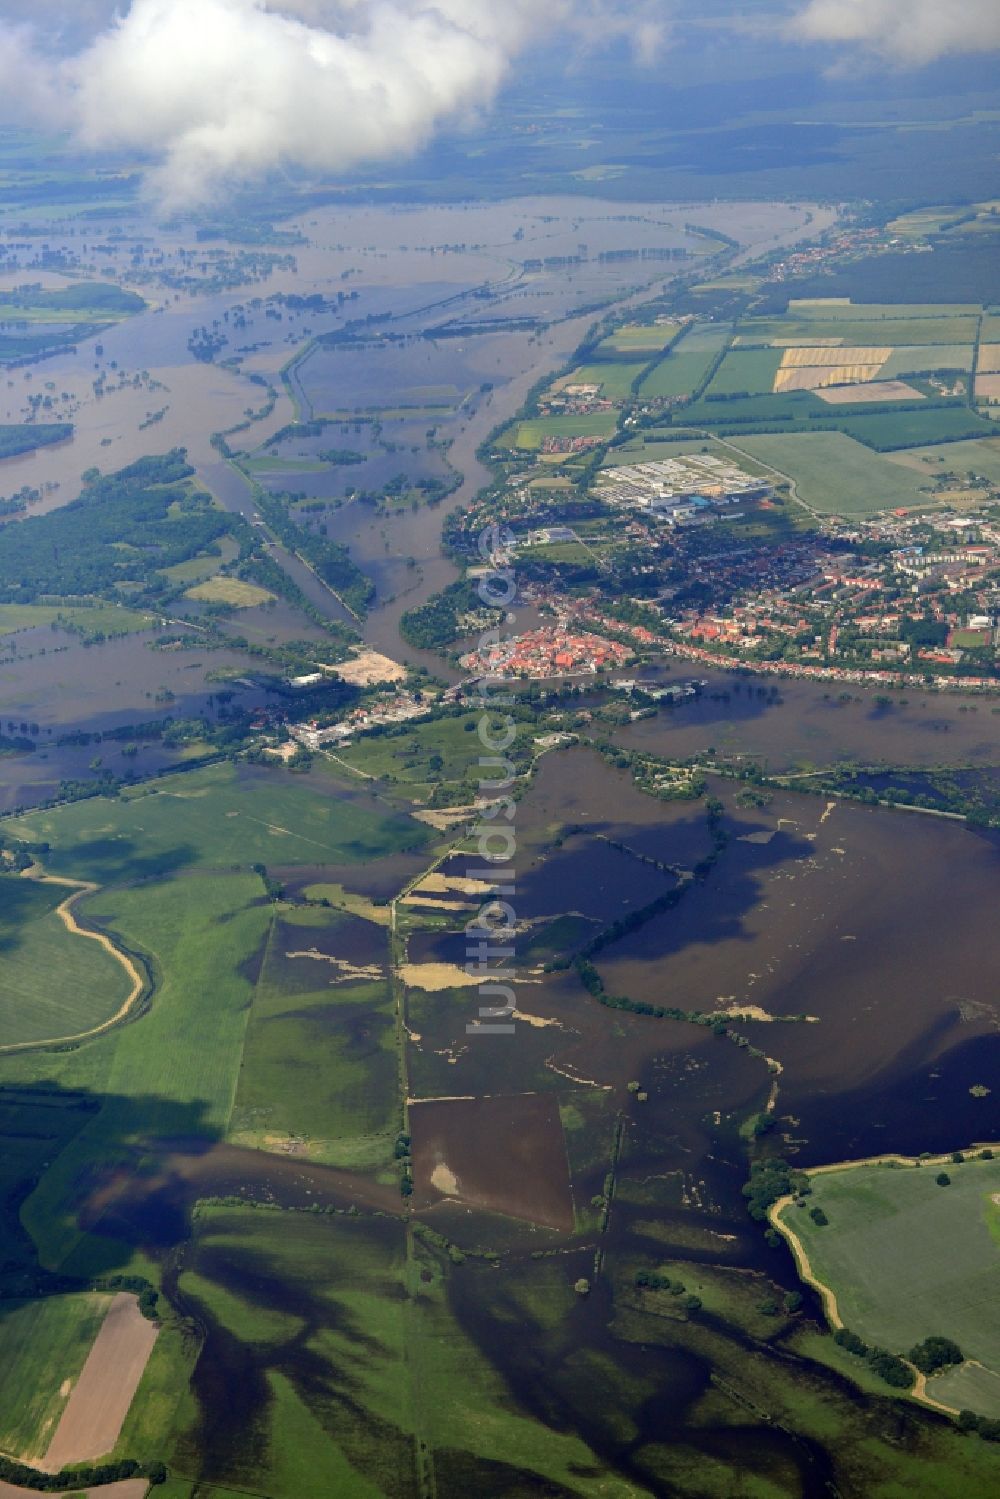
(907, 32)
(217, 91)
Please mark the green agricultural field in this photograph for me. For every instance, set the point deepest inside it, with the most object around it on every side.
(42, 1345)
(412, 758)
(923, 358)
(980, 456)
(530, 435)
(864, 312)
(320, 1065)
(751, 371)
(172, 1074)
(887, 332)
(53, 983)
(677, 375)
(103, 619)
(197, 569)
(222, 817)
(902, 428)
(273, 463)
(834, 474)
(615, 377)
(907, 1259)
(640, 338)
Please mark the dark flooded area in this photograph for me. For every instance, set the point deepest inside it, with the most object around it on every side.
(800, 725)
(77, 704)
(402, 1252)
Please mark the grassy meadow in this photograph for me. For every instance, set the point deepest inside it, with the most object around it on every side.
(834, 474)
(219, 817)
(53, 983)
(747, 370)
(639, 338)
(232, 591)
(909, 1259)
(980, 456)
(94, 619)
(174, 1073)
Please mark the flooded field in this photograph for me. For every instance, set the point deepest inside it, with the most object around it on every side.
(68, 693)
(367, 1208)
(800, 725)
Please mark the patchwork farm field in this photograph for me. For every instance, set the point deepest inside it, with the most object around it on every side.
(907, 1259)
(834, 474)
(53, 982)
(43, 1345)
(222, 816)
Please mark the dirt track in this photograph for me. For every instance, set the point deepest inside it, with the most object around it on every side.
(128, 1488)
(89, 1426)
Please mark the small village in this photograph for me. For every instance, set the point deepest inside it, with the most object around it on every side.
(552, 651)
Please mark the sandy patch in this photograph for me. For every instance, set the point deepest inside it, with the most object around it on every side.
(539, 1022)
(875, 390)
(439, 905)
(345, 972)
(446, 818)
(368, 667)
(433, 977)
(442, 883)
(733, 1011)
(92, 1421)
(988, 387)
(281, 752)
(444, 1180)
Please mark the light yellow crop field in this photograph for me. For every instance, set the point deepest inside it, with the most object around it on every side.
(816, 376)
(230, 591)
(820, 354)
(989, 359)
